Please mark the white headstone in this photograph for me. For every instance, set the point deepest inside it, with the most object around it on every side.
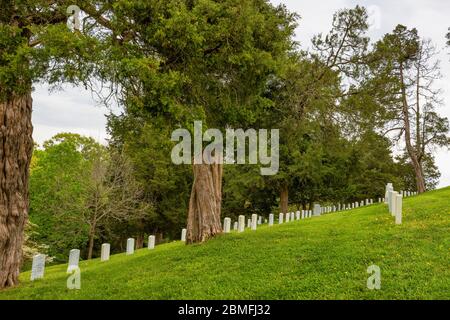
(398, 209)
(317, 210)
(74, 259)
(393, 200)
(227, 225)
(235, 226)
(280, 218)
(183, 235)
(389, 200)
(287, 217)
(38, 267)
(151, 242)
(271, 216)
(297, 214)
(130, 246)
(241, 223)
(259, 220)
(292, 216)
(389, 187)
(254, 221)
(106, 250)
(249, 223)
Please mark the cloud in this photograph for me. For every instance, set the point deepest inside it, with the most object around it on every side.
(71, 110)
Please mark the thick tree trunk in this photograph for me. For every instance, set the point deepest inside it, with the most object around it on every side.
(284, 199)
(205, 203)
(16, 147)
(420, 178)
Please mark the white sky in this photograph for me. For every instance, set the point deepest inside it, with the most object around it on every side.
(74, 110)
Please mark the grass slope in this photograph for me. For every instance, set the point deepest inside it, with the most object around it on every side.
(320, 258)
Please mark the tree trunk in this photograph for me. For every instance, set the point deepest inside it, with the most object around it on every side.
(140, 241)
(420, 178)
(284, 199)
(159, 237)
(16, 147)
(205, 203)
(91, 241)
(418, 170)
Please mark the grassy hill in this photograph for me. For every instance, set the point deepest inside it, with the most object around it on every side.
(320, 258)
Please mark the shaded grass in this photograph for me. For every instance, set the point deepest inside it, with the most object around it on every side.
(319, 258)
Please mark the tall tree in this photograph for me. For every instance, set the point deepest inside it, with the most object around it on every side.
(406, 69)
(35, 44)
(19, 20)
(206, 60)
(310, 89)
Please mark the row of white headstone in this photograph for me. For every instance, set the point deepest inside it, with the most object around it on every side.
(318, 210)
(38, 265)
(256, 220)
(394, 200)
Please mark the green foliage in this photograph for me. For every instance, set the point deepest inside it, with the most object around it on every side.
(406, 172)
(319, 258)
(58, 188)
(187, 60)
(78, 188)
(167, 186)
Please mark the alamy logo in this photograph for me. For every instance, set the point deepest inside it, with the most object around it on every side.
(74, 279)
(235, 147)
(374, 281)
(73, 22)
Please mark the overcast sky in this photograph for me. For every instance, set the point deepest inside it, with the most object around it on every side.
(74, 110)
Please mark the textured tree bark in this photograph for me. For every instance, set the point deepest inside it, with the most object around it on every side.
(205, 203)
(420, 179)
(140, 241)
(284, 199)
(16, 147)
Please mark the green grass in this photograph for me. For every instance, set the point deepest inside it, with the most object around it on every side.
(320, 258)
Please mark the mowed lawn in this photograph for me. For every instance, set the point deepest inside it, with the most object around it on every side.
(319, 258)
